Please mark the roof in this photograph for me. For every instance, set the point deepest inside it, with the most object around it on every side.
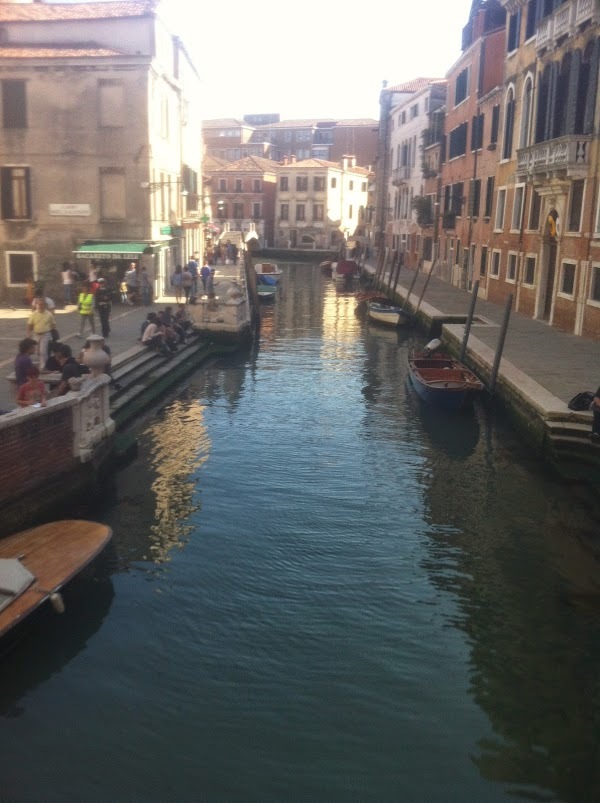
(322, 163)
(213, 163)
(416, 85)
(57, 52)
(44, 12)
(225, 122)
(247, 164)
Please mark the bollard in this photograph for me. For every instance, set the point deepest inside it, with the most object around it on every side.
(463, 348)
(500, 346)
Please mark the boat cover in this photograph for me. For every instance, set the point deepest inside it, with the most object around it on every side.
(14, 579)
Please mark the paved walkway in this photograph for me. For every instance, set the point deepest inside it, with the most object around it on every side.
(561, 363)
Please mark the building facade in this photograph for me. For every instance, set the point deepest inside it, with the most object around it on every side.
(100, 142)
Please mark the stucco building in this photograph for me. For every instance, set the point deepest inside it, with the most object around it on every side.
(100, 141)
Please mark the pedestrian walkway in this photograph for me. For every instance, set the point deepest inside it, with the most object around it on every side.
(561, 363)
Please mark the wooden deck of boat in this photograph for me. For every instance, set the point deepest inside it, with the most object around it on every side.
(54, 553)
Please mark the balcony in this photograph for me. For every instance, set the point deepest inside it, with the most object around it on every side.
(567, 156)
(565, 21)
(400, 175)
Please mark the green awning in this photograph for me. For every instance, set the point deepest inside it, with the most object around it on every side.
(110, 250)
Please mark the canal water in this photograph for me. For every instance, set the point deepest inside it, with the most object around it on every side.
(319, 589)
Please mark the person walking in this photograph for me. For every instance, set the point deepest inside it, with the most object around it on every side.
(187, 281)
(145, 287)
(177, 282)
(192, 266)
(204, 274)
(103, 298)
(67, 280)
(132, 281)
(210, 283)
(85, 305)
(40, 324)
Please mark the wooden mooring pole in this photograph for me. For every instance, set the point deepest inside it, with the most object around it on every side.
(500, 346)
(469, 321)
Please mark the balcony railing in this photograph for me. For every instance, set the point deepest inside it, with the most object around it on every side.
(400, 175)
(565, 21)
(569, 154)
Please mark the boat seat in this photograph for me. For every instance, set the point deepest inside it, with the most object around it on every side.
(14, 579)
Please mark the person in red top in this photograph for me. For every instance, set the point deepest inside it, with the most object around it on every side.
(33, 392)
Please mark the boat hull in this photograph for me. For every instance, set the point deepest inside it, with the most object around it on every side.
(443, 381)
(54, 553)
(388, 315)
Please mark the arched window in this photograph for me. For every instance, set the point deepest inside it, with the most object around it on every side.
(509, 124)
(526, 112)
(542, 104)
(559, 127)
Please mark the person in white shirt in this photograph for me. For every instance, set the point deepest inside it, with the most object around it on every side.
(67, 280)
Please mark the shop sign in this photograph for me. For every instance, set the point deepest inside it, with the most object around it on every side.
(70, 210)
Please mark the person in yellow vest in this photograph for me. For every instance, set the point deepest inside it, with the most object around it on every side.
(85, 305)
(40, 324)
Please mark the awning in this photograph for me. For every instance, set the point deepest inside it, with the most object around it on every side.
(111, 250)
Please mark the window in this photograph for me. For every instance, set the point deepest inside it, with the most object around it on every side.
(457, 254)
(532, 7)
(302, 153)
(489, 196)
(595, 284)
(526, 107)
(20, 268)
(576, 206)
(350, 211)
(529, 277)
(350, 185)
(567, 283)
(483, 263)
(303, 136)
(284, 211)
(238, 211)
(319, 183)
(300, 212)
(414, 111)
(517, 212)
(402, 118)
(511, 268)
(222, 185)
(318, 211)
(495, 271)
(461, 87)
(301, 183)
(363, 186)
(15, 193)
(509, 124)
(535, 210)
(238, 185)
(495, 125)
(222, 210)
(287, 136)
(256, 211)
(284, 183)
(477, 132)
(447, 196)
(474, 197)
(458, 141)
(427, 248)
(111, 104)
(500, 204)
(333, 183)
(14, 104)
(457, 198)
(257, 185)
(514, 25)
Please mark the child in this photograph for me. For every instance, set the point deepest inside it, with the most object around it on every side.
(123, 291)
(33, 392)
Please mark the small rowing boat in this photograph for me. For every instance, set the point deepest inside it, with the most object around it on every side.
(441, 380)
(388, 314)
(268, 269)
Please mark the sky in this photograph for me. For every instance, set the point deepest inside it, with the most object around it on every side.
(317, 58)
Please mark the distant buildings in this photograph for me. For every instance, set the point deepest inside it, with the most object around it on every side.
(507, 185)
(100, 146)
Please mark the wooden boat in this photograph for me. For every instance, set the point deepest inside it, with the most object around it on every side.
(345, 269)
(326, 266)
(441, 380)
(268, 269)
(266, 292)
(388, 314)
(35, 564)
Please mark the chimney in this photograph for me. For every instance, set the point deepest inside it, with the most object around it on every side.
(293, 159)
(285, 161)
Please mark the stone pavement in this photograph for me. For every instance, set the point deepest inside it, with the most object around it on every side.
(561, 363)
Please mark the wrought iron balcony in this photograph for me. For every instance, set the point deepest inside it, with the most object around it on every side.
(568, 155)
(565, 21)
(400, 175)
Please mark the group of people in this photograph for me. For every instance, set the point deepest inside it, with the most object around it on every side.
(164, 331)
(31, 390)
(184, 281)
(136, 287)
(227, 252)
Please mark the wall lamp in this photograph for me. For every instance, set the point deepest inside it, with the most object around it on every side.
(157, 185)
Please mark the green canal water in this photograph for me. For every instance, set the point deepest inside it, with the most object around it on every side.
(319, 589)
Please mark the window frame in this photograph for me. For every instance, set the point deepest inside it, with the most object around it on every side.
(285, 206)
(284, 180)
(300, 212)
(527, 258)
(8, 254)
(515, 226)
(561, 291)
(497, 263)
(594, 272)
(498, 192)
(515, 262)
(466, 73)
(534, 194)
(20, 105)
(4, 170)
(570, 212)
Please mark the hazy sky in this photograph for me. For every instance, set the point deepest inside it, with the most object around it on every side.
(317, 58)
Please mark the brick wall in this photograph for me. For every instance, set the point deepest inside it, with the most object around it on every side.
(34, 450)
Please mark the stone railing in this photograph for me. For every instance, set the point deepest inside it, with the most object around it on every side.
(570, 154)
(38, 445)
(400, 174)
(565, 21)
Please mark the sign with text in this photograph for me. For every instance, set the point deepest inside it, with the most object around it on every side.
(70, 210)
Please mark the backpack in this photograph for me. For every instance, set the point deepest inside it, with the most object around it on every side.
(581, 401)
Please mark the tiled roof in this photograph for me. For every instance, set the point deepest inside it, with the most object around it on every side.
(225, 122)
(416, 85)
(251, 163)
(366, 122)
(44, 12)
(56, 52)
(306, 163)
(210, 163)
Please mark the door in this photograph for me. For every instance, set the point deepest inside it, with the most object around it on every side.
(549, 288)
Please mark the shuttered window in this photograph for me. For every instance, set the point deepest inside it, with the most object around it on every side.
(15, 193)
